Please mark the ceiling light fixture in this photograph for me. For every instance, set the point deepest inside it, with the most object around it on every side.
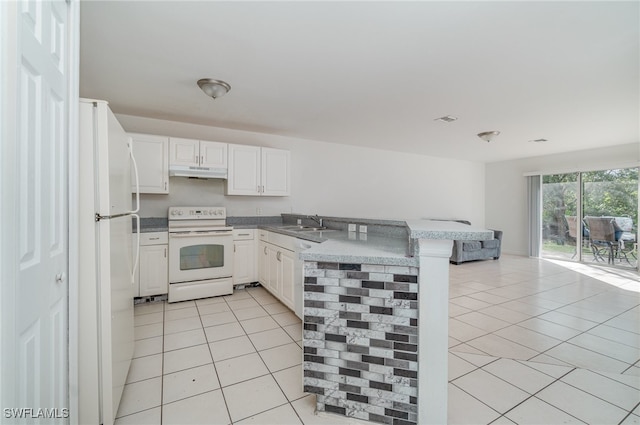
(538, 140)
(446, 118)
(488, 136)
(213, 88)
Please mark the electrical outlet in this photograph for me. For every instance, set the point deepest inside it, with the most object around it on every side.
(352, 227)
(363, 229)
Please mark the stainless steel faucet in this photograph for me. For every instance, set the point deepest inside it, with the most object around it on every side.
(316, 218)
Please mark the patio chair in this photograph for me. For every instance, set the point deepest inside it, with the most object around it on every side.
(602, 238)
(572, 229)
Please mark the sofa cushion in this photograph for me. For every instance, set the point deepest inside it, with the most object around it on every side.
(471, 246)
(491, 243)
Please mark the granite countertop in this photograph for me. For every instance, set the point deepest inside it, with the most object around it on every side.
(340, 246)
(152, 224)
(435, 229)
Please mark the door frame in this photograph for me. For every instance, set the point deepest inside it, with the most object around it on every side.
(73, 199)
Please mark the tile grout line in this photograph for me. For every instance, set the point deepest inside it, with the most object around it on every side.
(559, 379)
(537, 316)
(164, 312)
(629, 414)
(224, 399)
(257, 352)
(272, 376)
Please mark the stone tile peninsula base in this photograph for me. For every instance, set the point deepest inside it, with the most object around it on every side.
(376, 335)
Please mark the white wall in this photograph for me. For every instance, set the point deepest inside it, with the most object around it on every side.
(330, 179)
(506, 190)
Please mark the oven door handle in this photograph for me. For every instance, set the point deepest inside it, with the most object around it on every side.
(199, 233)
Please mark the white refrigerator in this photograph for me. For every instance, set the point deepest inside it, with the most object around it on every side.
(107, 265)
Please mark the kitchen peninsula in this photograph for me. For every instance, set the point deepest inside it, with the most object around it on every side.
(375, 322)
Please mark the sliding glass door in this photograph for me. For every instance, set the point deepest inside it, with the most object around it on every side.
(591, 217)
(610, 214)
(559, 212)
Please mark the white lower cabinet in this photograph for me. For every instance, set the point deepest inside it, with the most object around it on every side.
(287, 262)
(244, 256)
(152, 277)
(276, 266)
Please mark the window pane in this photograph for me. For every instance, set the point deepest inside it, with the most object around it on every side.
(559, 201)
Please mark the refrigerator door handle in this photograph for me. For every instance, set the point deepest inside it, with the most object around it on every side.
(135, 171)
(137, 260)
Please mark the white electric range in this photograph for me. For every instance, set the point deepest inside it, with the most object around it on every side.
(200, 253)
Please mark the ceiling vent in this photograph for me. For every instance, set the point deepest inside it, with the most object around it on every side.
(446, 118)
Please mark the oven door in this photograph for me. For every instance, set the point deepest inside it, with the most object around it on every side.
(200, 255)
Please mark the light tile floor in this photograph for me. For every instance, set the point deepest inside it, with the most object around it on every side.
(531, 342)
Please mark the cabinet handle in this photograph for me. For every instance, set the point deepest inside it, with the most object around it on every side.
(165, 253)
(258, 188)
(165, 185)
(278, 255)
(154, 239)
(244, 234)
(234, 247)
(201, 159)
(265, 250)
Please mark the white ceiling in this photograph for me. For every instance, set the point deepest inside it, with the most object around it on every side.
(377, 74)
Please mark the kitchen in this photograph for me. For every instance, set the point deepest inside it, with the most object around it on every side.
(196, 255)
(405, 168)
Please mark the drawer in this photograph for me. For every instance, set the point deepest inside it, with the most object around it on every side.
(154, 238)
(243, 234)
(283, 241)
(263, 235)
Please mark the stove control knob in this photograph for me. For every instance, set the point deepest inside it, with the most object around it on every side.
(173, 213)
(179, 212)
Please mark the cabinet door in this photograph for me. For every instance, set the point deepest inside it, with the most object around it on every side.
(275, 172)
(184, 152)
(243, 262)
(287, 278)
(151, 153)
(244, 170)
(213, 154)
(154, 271)
(263, 265)
(273, 270)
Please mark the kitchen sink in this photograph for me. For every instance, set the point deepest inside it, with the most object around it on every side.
(300, 228)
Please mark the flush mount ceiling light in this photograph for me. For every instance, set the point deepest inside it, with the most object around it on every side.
(446, 118)
(488, 136)
(538, 140)
(213, 88)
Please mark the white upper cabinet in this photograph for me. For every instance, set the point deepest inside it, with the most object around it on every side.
(258, 171)
(275, 172)
(184, 152)
(244, 170)
(197, 153)
(151, 153)
(213, 154)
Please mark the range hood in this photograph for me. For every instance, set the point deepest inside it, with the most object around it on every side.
(197, 172)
